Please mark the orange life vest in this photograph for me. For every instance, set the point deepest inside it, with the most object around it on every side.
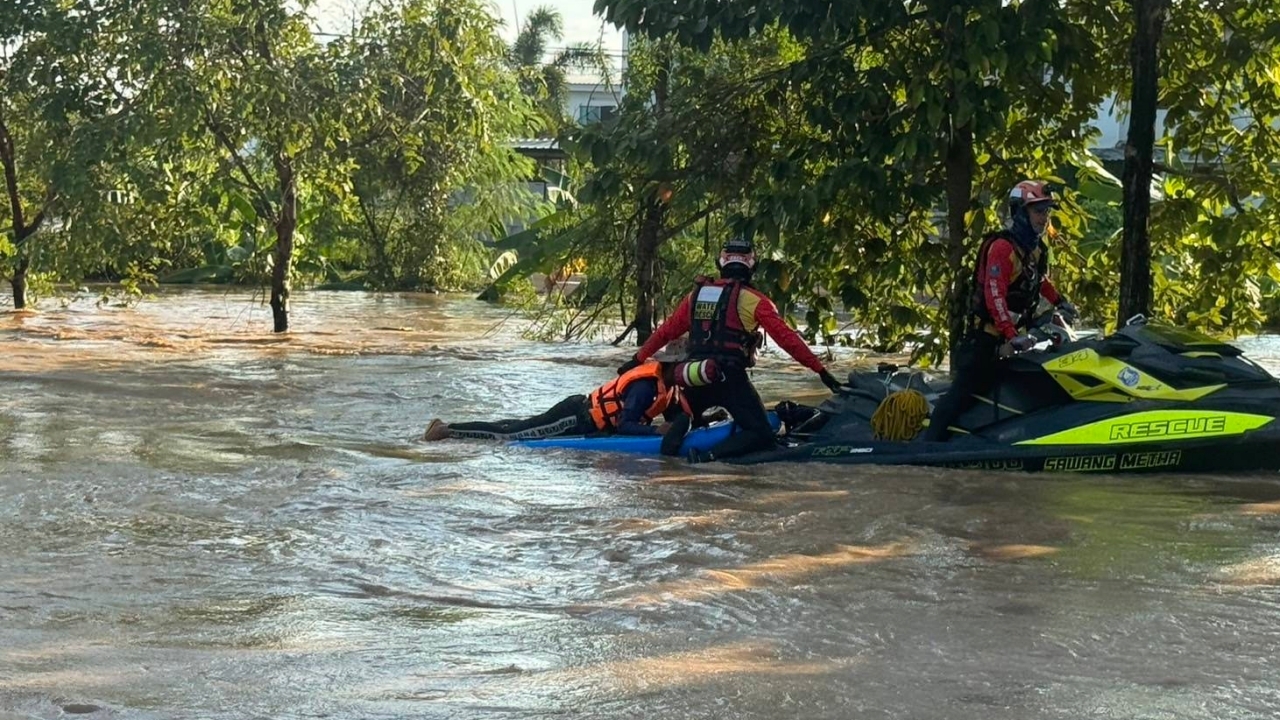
(605, 402)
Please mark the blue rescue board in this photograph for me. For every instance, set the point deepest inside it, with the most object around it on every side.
(700, 439)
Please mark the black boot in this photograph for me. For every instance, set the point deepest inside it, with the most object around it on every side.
(674, 436)
(696, 456)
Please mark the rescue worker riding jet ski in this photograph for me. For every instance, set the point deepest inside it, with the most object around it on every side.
(1147, 398)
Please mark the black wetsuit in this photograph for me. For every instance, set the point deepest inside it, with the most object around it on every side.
(571, 416)
(567, 417)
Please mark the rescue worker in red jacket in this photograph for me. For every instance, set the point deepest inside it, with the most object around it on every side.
(1010, 277)
(722, 318)
(626, 405)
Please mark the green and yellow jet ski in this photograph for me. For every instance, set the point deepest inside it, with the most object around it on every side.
(1146, 398)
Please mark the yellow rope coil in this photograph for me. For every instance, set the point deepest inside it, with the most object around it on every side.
(900, 416)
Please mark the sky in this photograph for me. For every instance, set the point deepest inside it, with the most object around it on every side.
(580, 26)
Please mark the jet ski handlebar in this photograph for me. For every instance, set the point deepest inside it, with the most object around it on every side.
(1048, 330)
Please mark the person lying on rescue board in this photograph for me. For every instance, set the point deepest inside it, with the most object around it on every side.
(626, 405)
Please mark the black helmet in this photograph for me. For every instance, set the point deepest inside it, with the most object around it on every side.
(737, 250)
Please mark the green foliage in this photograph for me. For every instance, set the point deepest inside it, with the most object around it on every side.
(1216, 226)
(428, 107)
(71, 91)
(643, 156)
(839, 141)
(827, 137)
(866, 146)
(154, 170)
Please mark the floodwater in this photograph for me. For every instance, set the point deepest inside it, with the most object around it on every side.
(201, 520)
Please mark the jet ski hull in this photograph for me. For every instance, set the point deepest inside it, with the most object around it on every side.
(1146, 399)
(1256, 452)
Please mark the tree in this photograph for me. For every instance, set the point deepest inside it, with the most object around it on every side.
(649, 182)
(69, 84)
(256, 83)
(546, 82)
(1214, 232)
(652, 221)
(428, 106)
(1213, 243)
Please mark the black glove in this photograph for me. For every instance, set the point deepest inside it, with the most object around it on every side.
(1019, 344)
(629, 365)
(1068, 311)
(1023, 343)
(830, 381)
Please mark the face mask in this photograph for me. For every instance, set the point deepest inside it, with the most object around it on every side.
(1023, 232)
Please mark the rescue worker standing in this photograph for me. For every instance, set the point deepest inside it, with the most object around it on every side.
(626, 405)
(1010, 277)
(722, 318)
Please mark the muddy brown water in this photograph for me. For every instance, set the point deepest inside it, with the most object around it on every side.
(199, 520)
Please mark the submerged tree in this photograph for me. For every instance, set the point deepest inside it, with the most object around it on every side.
(71, 79)
(258, 84)
(428, 109)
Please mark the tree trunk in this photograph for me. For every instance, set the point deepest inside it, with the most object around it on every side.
(286, 222)
(9, 159)
(1135, 252)
(958, 169)
(19, 281)
(648, 273)
(959, 180)
(381, 268)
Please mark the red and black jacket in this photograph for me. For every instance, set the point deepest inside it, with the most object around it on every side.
(1007, 285)
(725, 325)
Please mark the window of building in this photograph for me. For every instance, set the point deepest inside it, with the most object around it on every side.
(595, 113)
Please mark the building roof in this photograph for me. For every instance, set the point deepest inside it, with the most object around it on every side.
(538, 148)
(591, 78)
(535, 144)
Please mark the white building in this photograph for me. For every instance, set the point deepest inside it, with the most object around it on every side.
(592, 98)
(1113, 121)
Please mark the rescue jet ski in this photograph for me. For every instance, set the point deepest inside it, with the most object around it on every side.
(1147, 398)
